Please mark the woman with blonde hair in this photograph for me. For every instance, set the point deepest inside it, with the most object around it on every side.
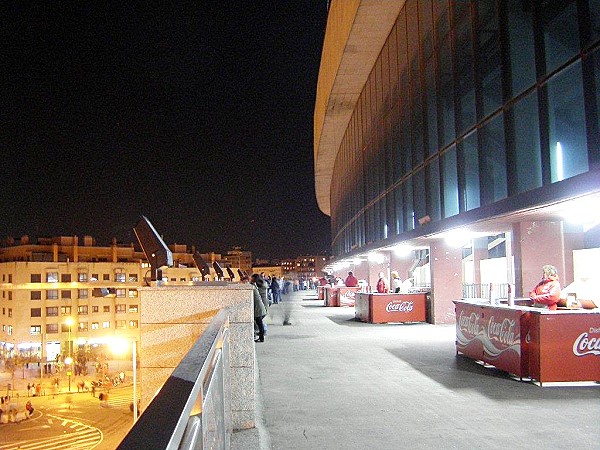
(547, 291)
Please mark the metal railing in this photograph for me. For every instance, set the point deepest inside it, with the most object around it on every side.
(193, 408)
(500, 290)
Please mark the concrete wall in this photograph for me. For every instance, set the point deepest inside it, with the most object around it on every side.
(174, 317)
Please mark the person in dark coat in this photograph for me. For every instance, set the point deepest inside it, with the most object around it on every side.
(276, 290)
(259, 313)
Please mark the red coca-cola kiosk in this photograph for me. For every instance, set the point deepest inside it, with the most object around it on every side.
(383, 308)
(540, 344)
(340, 295)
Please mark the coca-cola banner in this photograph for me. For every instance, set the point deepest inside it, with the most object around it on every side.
(398, 308)
(565, 346)
(492, 335)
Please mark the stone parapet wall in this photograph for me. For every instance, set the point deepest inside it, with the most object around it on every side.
(172, 320)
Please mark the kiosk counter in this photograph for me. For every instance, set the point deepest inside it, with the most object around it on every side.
(544, 345)
(382, 308)
(340, 295)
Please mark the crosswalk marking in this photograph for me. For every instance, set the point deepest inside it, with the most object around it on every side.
(84, 437)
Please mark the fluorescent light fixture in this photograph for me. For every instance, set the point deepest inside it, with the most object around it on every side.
(376, 257)
(458, 238)
(402, 250)
(357, 261)
(583, 211)
(559, 162)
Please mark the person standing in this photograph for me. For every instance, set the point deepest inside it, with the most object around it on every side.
(259, 313)
(547, 292)
(351, 280)
(396, 282)
(276, 290)
(382, 284)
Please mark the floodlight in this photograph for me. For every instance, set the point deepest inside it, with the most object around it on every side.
(202, 265)
(156, 251)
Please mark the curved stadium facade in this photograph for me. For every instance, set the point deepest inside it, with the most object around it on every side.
(475, 116)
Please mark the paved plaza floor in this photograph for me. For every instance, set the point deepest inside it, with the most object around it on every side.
(326, 381)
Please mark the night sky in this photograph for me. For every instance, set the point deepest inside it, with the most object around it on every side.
(198, 115)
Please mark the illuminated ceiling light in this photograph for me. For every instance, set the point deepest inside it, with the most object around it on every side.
(402, 250)
(375, 257)
(458, 238)
(559, 162)
(583, 211)
(356, 261)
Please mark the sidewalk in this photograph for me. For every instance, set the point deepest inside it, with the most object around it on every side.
(329, 382)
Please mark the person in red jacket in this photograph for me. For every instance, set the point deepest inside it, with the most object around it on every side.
(351, 280)
(547, 291)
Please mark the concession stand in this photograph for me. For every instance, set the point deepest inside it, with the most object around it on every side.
(382, 308)
(529, 342)
(321, 292)
(340, 295)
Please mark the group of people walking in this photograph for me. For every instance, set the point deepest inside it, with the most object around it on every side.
(267, 291)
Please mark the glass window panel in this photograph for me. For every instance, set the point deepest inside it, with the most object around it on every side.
(407, 200)
(446, 96)
(433, 189)
(596, 86)
(493, 161)
(464, 82)
(593, 15)
(431, 109)
(419, 194)
(450, 182)
(528, 160)
(425, 25)
(469, 172)
(489, 57)
(566, 121)
(399, 210)
(520, 37)
(561, 32)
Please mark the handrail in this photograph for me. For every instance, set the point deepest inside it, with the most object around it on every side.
(181, 399)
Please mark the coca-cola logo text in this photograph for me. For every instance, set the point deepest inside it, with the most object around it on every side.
(400, 307)
(503, 331)
(586, 345)
(470, 323)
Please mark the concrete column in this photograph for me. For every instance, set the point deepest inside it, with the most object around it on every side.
(446, 280)
(402, 265)
(480, 251)
(174, 317)
(535, 244)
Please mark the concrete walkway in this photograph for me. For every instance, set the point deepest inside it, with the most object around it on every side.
(328, 382)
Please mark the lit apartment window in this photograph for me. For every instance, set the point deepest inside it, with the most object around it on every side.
(133, 308)
(133, 293)
(83, 326)
(35, 295)
(36, 277)
(121, 308)
(121, 293)
(106, 324)
(121, 324)
(95, 277)
(65, 310)
(65, 278)
(94, 309)
(82, 293)
(36, 312)
(82, 310)
(35, 330)
(106, 308)
(9, 312)
(65, 294)
(95, 325)
(51, 311)
(133, 324)
(120, 277)
(9, 330)
(52, 277)
(51, 328)
(82, 277)
(133, 277)
(51, 294)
